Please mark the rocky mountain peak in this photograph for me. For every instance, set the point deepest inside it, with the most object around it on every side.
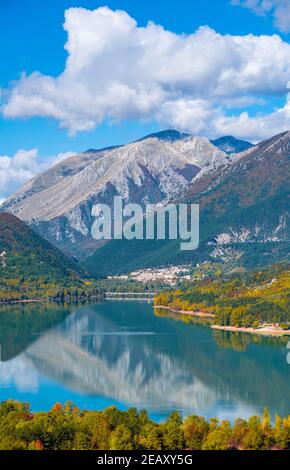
(170, 135)
(230, 144)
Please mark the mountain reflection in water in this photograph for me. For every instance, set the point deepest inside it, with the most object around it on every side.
(120, 352)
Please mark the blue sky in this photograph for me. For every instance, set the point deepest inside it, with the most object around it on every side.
(37, 42)
(33, 37)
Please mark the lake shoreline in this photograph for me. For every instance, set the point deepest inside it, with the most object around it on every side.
(265, 331)
(44, 300)
(186, 312)
(24, 301)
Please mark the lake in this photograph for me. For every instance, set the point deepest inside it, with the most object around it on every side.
(121, 353)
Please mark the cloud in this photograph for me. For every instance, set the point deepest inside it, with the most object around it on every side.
(21, 167)
(280, 9)
(118, 71)
(16, 170)
(200, 115)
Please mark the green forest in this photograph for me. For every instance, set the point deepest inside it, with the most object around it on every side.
(31, 268)
(68, 428)
(246, 300)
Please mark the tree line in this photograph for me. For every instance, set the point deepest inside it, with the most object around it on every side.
(69, 428)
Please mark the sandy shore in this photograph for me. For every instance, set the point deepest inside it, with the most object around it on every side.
(274, 331)
(186, 312)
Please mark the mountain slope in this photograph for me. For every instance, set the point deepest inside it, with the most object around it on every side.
(244, 206)
(58, 203)
(24, 255)
(230, 144)
(255, 175)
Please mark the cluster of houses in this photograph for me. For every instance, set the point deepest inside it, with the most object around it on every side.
(170, 275)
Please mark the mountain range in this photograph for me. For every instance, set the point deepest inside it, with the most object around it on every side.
(244, 216)
(58, 202)
(243, 197)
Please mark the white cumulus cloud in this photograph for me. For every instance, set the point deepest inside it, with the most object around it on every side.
(203, 117)
(17, 169)
(117, 71)
(280, 9)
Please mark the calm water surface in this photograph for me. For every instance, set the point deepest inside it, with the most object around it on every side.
(120, 353)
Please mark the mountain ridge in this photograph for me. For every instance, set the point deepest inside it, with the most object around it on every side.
(161, 167)
(58, 202)
(244, 215)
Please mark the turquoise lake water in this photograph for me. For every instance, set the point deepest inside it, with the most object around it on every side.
(119, 352)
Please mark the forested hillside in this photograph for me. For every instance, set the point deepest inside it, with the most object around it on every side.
(243, 301)
(30, 267)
